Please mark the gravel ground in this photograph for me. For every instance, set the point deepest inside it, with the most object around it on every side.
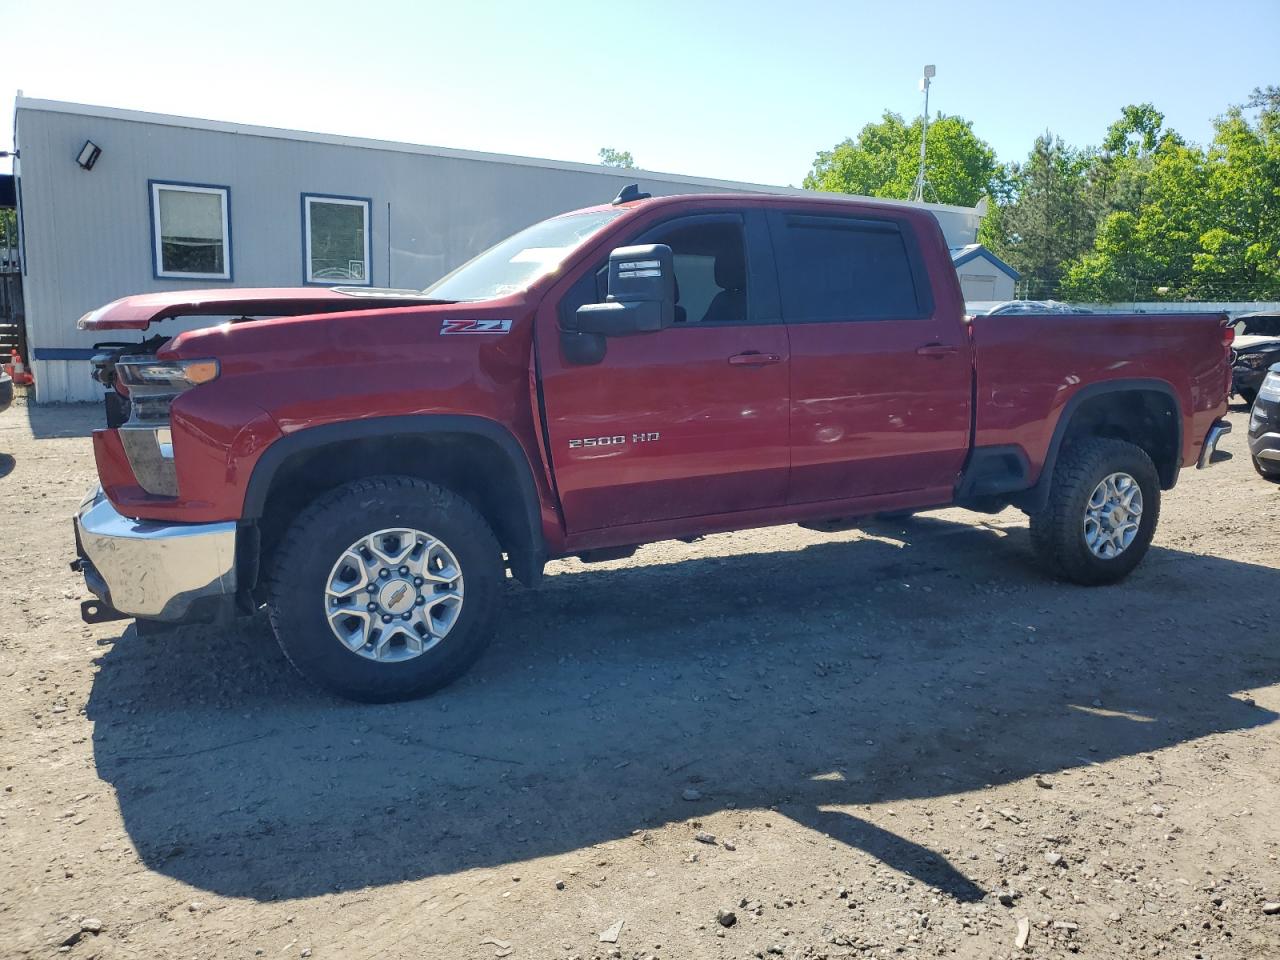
(898, 741)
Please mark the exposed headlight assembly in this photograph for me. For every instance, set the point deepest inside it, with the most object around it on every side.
(152, 385)
(1257, 360)
(178, 374)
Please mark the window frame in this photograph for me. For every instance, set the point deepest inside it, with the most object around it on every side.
(780, 223)
(157, 235)
(762, 290)
(367, 204)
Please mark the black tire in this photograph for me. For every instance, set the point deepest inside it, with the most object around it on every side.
(1247, 395)
(319, 536)
(1265, 471)
(1057, 531)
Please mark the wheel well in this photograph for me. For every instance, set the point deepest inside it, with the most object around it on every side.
(1145, 418)
(471, 465)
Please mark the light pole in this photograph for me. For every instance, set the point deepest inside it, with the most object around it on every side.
(917, 191)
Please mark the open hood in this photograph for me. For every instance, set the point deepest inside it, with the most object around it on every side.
(1251, 340)
(138, 312)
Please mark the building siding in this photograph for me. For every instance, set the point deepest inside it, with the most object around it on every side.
(88, 233)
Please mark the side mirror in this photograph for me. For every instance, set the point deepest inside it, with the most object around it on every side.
(642, 295)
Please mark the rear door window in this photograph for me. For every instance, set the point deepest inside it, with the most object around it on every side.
(846, 268)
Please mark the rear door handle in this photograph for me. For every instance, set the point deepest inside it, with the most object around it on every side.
(754, 358)
(938, 350)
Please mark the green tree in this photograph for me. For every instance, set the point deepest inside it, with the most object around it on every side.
(610, 157)
(883, 159)
(1266, 98)
(1239, 251)
(1204, 224)
(1045, 217)
(1136, 132)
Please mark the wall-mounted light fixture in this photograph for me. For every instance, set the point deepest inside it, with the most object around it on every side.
(89, 154)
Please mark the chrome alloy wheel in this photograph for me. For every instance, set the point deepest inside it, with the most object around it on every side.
(393, 595)
(1113, 515)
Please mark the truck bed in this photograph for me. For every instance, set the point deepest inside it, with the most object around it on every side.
(1029, 367)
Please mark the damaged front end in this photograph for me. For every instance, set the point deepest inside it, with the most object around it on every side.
(140, 390)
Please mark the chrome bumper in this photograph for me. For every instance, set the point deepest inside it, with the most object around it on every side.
(1266, 447)
(1219, 430)
(150, 569)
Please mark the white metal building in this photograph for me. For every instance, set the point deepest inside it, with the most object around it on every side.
(114, 202)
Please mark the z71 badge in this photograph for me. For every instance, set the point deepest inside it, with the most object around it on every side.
(475, 326)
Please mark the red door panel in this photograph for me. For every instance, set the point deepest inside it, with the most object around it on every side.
(870, 414)
(667, 426)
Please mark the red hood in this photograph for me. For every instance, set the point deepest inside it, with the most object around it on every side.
(137, 312)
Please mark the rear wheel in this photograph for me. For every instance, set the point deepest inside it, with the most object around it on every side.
(384, 589)
(1104, 501)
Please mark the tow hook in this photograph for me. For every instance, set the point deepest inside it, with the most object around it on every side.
(96, 611)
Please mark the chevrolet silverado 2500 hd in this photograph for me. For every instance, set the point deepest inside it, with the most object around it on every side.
(367, 464)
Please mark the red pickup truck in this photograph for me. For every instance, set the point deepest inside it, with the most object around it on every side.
(368, 464)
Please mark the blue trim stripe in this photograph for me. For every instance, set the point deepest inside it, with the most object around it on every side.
(64, 353)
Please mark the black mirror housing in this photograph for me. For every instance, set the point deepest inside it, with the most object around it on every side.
(642, 294)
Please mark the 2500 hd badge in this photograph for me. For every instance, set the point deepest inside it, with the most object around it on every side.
(613, 441)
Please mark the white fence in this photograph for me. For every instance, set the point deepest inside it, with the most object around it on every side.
(1233, 309)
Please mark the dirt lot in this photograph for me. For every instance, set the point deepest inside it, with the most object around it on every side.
(905, 742)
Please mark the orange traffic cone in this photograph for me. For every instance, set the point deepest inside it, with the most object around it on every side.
(19, 369)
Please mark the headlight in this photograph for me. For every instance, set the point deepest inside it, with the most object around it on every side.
(153, 385)
(1270, 389)
(180, 374)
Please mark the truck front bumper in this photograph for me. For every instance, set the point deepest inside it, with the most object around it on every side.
(148, 569)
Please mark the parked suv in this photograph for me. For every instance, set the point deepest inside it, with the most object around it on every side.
(1264, 427)
(370, 464)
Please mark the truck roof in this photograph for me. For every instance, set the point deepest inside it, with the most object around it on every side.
(759, 199)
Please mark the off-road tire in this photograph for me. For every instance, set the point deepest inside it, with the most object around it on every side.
(313, 543)
(1057, 531)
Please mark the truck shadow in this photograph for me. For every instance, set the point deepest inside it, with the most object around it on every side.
(925, 661)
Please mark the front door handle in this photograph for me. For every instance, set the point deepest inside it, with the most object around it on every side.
(938, 350)
(754, 358)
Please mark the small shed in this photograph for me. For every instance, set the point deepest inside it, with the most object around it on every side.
(983, 275)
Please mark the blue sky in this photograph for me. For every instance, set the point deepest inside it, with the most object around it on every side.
(745, 91)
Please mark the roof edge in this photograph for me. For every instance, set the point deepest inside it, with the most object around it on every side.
(980, 251)
(36, 104)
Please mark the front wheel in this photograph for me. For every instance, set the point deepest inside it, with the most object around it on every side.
(384, 589)
(1104, 501)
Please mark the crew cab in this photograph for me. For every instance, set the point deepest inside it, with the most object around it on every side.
(368, 465)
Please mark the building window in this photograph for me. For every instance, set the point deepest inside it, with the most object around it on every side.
(335, 236)
(191, 231)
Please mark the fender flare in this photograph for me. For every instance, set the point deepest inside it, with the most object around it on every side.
(1038, 494)
(527, 568)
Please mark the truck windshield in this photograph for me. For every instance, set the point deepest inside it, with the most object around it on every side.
(519, 260)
